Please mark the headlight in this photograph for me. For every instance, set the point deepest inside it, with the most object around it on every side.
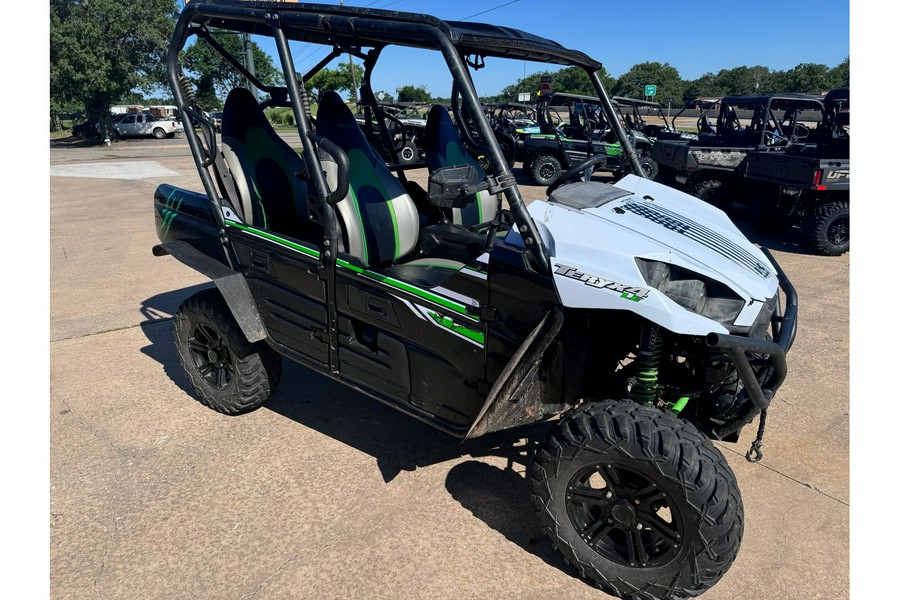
(694, 292)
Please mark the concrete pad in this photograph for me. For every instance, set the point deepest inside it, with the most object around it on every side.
(325, 493)
(137, 169)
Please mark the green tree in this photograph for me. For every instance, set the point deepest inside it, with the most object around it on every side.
(839, 77)
(571, 80)
(705, 86)
(213, 76)
(413, 93)
(339, 79)
(809, 78)
(103, 49)
(742, 81)
(664, 76)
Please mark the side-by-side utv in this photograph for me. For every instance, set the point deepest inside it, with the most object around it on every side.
(635, 321)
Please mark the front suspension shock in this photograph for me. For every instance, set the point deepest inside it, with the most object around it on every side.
(645, 384)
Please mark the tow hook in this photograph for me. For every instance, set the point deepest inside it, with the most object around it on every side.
(754, 454)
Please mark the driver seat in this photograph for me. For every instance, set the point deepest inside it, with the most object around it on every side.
(444, 148)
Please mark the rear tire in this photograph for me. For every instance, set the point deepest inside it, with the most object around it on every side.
(229, 374)
(828, 228)
(712, 191)
(638, 501)
(651, 169)
(408, 153)
(545, 169)
(159, 133)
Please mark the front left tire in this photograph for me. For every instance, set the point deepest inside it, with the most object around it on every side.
(828, 228)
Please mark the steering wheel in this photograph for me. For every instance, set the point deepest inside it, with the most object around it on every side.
(575, 172)
(395, 132)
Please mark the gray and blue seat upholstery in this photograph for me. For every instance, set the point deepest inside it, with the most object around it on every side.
(262, 166)
(443, 148)
(379, 221)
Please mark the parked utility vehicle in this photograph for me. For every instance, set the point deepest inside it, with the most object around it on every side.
(711, 167)
(633, 111)
(635, 320)
(582, 132)
(809, 184)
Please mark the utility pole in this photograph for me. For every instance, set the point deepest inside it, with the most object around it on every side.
(251, 67)
(352, 74)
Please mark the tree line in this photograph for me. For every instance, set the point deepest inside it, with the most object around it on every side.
(106, 52)
(808, 78)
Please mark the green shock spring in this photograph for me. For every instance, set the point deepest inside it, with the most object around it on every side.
(646, 378)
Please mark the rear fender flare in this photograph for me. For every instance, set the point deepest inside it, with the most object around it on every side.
(232, 285)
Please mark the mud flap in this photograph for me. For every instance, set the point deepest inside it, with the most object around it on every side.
(231, 284)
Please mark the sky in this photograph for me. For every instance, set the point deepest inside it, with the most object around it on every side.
(778, 34)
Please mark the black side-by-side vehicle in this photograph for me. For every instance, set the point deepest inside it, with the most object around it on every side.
(636, 322)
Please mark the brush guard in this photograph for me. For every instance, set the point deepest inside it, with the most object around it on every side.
(784, 331)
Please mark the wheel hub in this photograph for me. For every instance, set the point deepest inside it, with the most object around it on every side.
(210, 356)
(624, 513)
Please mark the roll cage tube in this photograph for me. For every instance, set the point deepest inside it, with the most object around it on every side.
(524, 222)
(616, 126)
(317, 175)
(175, 75)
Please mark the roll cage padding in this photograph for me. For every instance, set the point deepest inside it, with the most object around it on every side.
(378, 219)
(263, 167)
(444, 148)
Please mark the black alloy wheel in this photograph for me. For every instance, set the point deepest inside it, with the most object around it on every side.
(211, 356)
(623, 515)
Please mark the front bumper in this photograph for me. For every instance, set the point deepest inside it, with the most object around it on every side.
(762, 382)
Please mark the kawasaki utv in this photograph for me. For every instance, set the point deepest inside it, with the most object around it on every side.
(807, 184)
(634, 321)
(711, 167)
(583, 132)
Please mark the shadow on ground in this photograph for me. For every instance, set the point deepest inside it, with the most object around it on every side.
(498, 496)
(157, 328)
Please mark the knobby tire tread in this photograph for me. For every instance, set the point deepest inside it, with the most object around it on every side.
(670, 447)
(257, 368)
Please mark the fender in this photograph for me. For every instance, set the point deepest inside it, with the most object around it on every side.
(231, 284)
(515, 398)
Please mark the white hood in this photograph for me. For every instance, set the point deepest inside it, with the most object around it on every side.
(594, 232)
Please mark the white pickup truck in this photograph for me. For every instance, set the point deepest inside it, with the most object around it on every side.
(141, 124)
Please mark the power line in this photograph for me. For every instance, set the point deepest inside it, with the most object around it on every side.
(489, 10)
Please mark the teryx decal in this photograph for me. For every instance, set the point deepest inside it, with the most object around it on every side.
(635, 294)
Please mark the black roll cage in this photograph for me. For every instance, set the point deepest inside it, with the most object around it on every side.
(764, 107)
(349, 30)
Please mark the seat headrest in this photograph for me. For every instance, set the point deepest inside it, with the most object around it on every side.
(443, 146)
(241, 112)
(336, 122)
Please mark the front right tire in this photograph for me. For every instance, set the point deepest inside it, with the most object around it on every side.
(639, 501)
(228, 373)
